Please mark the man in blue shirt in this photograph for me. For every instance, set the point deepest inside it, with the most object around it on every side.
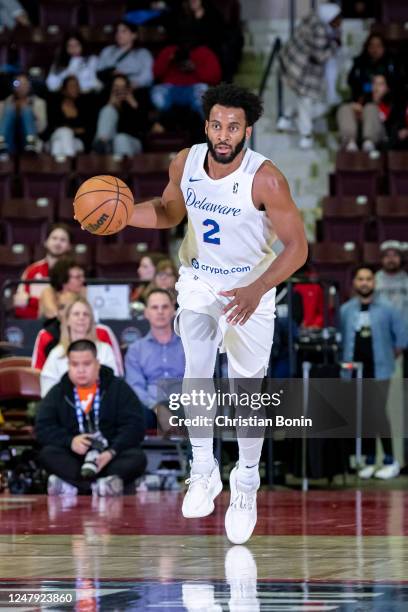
(373, 333)
(157, 356)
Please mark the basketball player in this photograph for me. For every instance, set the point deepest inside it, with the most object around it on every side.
(237, 203)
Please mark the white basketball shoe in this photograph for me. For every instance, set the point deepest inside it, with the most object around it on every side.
(202, 490)
(240, 519)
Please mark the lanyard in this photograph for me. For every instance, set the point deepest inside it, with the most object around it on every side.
(80, 414)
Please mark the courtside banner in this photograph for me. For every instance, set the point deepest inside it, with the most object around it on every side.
(293, 408)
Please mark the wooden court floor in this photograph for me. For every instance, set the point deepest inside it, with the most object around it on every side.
(320, 550)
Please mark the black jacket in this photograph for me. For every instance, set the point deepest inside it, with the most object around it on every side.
(120, 418)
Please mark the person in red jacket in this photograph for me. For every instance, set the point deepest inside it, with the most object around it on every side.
(183, 73)
(49, 336)
(26, 298)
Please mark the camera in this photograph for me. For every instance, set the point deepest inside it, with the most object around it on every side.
(89, 467)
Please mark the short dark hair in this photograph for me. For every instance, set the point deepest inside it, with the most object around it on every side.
(62, 226)
(59, 273)
(158, 290)
(82, 345)
(230, 95)
(363, 266)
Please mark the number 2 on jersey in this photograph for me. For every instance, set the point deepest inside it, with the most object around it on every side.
(209, 236)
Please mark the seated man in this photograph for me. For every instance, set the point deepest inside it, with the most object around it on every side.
(157, 356)
(26, 299)
(90, 409)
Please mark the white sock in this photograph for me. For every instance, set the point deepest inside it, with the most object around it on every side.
(203, 455)
(248, 464)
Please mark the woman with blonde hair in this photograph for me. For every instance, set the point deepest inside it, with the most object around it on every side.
(77, 324)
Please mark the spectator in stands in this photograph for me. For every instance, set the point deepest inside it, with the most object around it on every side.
(23, 117)
(183, 72)
(125, 59)
(392, 280)
(374, 59)
(156, 357)
(145, 272)
(57, 245)
(12, 14)
(303, 63)
(312, 296)
(71, 123)
(90, 402)
(373, 333)
(77, 324)
(72, 60)
(120, 124)
(49, 336)
(216, 27)
(66, 275)
(375, 114)
(165, 277)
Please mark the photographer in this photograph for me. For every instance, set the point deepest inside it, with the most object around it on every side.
(90, 426)
(23, 116)
(120, 122)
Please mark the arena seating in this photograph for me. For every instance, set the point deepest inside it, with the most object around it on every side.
(358, 174)
(345, 219)
(26, 220)
(61, 13)
(334, 261)
(14, 259)
(44, 176)
(117, 260)
(398, 172)
(392, 218)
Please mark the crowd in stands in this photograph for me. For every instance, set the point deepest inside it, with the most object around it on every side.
(375, 115)
(110, 101)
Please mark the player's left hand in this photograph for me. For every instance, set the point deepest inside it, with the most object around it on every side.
(244, 303)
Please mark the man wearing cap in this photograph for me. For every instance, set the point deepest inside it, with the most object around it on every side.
(392, 280)
(392, 283)
(303, 61)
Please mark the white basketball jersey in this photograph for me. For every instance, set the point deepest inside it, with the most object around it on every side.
(228, 241)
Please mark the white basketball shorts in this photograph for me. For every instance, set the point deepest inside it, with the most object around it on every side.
(248, 346)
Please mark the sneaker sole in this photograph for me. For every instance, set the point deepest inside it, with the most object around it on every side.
(207, 509)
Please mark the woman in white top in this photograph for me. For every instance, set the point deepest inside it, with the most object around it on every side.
(77, 324)
(72, 61)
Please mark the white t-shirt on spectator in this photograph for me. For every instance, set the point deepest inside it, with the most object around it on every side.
(57, 365)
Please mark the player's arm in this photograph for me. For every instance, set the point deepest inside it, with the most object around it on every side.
(272, 190)
(170, 209)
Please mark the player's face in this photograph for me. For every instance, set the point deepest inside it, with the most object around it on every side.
(83, 368)
(58, 243)
(146, 269)
(226, 132)
(159, 311)
(364, 282)
(76, 279)
(391, 261)
(79, 321)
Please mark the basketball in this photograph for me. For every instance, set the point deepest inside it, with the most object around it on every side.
(103, 205)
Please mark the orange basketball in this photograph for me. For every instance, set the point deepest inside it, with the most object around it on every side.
(103, 205)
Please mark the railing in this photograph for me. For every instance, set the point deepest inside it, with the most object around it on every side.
(265, 76)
